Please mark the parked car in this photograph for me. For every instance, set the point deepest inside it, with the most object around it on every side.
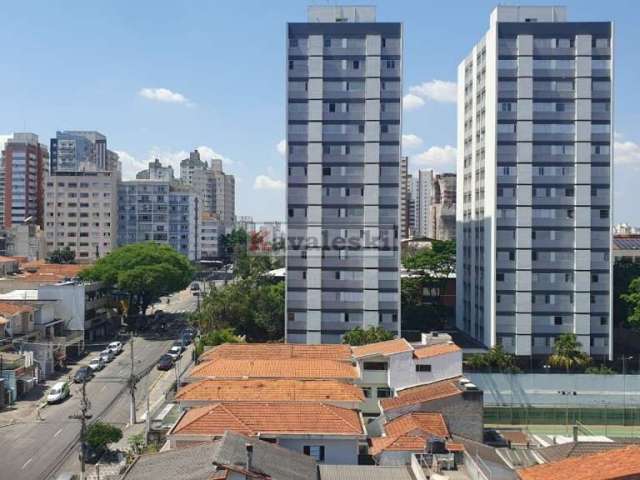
(107, 355)
(58, 392)
(84, 374)
(175, 353)
(195, 286)
(180, 344)
(115, 347)
(96, 364)
(165, 362)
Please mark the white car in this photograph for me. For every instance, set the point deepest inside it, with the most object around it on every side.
(175, 352)
(115, 347)
(96, 364)
(107, 355)
(58, 392)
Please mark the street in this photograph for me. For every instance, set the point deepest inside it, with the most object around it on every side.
(35, 449)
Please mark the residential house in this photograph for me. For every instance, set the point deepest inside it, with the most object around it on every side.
(279, 351)
(328, 433)
(16, 320)
(332, 392)
(18, 372)
(458, 400)
(620, 464)
(8, 266)
(396, 364)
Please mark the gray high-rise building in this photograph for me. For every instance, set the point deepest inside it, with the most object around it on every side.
(343, 197)
(78, 150)
(534, 176)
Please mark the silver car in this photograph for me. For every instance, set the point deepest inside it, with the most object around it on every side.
(96, 364)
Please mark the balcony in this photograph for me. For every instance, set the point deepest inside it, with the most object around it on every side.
(568, 115)
(341, 94)
(342, 137)
(350, 159)
(553, 72)
(299, 70)
(333, 70)
(342, 116)
(550, 52)
(553, 94)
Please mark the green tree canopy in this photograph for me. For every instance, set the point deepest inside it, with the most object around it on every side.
(624, 272)
(62, 255)
(101, 434)
(567, 353)
(494, 359)
(632, 300)
(143, 271)
(358, 336)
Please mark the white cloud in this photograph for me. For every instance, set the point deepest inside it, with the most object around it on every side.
(163, 95)
(265, 182)
(627, 153)
(436, 91)
(412, 102)
(130, 165)
(281, 147)
(439, 158)
(208, 154)
(410, 141)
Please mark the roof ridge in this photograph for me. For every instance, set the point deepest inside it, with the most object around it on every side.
(241, 422)
(337, 412)
(205, 411)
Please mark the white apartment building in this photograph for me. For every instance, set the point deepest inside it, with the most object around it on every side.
(423, 193)
(535, 97)
(81, 213)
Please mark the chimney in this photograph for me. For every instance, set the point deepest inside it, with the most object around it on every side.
(249, 448)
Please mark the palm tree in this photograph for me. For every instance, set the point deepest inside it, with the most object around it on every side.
(567, 353)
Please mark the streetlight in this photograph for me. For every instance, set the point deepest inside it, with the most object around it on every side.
(567, 393)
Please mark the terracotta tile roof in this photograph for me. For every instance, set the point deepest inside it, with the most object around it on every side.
(435, 350)
(623, 463)
(390, 347)
(554, 453)
(276, 390)
(251, 418)
(422, 393)
(276, 368)
(4, 259)
(404, 443)
(13, 309)
(432, 423)
(279, 351)
(39, 271)
(454, 447)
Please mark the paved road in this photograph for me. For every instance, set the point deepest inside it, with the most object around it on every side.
(33, 450)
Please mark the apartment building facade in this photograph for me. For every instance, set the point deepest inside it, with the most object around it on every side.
(343, 197)
(534, 174)
(81, 213)
(443, 207)
(424, 190)
(160, 211)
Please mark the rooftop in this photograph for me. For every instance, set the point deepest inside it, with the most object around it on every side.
(277, 390)
(364, 472)
(278, 351)
(435, 350)
(390, 347)
(299, 368)
(410, 432)
(202, 462)
(626, 242)
(422, 393)
(253, 418)
(12, 309)
(623, 463)
(42, 272)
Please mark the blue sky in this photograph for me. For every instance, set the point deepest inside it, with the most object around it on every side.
(214, 76)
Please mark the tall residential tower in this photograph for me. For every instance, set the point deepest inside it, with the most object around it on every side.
(534, 176)
(344, 84)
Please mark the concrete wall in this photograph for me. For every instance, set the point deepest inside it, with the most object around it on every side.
(403, 369)
(71, 304)
(539, 389)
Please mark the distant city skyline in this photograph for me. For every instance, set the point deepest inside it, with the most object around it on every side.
(159, 82)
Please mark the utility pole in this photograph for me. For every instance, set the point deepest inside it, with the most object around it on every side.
(132, 388)
(85, 405)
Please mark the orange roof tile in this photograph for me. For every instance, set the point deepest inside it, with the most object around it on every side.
(251, 418)
(13, 309)
(4, 259)
(422, 393)
(276, 368)
(277, 390)
(619, 464)
(403, 443)
(435, 350)
(432, 423)
(279, 351)
(390, 347)
(454, 447)
(39, 271)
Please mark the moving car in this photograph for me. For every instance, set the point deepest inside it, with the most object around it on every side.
(175, 353)
(195, 286)
(58, 392)
(107, 355)
(115, 347)
(165, 362)
(96, 364)
(84, 374)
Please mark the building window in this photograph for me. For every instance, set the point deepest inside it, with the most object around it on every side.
(356, 64)
(315, 451)
(367, 392)
(604, 213)
(375, 366)
(603, 321)
(423, 368)
(290, 64)
(569, 192)
(383, 392)
(557, 320)
(346, 317)
(291, 316)
(499, 277)
(293, 42)
(327, 42)
(594, 278)
(394, 317)
(332, 107)
(391, 64)
(326, 171)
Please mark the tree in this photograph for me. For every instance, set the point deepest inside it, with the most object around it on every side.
(567, 353)
(358, 336)
(494, 359)
(143, 272)
(632, 300)
(624, 272)
(216, 337)
(62, 256)
(600, 370)
(100, 435)
(234, 244)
